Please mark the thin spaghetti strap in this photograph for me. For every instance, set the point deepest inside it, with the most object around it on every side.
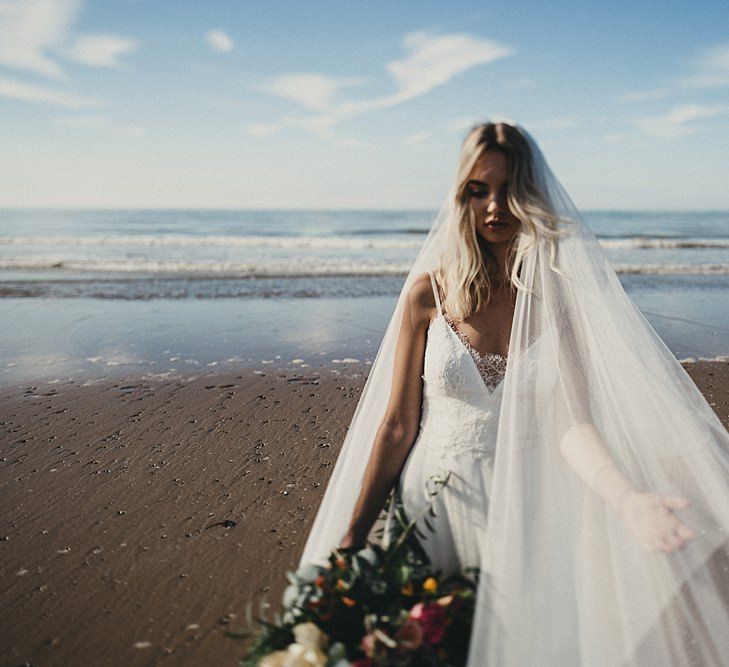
(435, 292)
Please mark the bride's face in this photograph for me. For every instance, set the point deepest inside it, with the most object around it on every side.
(487, 186)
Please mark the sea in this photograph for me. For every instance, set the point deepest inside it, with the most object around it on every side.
(161, 293)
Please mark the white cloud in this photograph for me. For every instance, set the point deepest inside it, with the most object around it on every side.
(219, 41)
(101, 123)
(417, 138)
(133, 131)
(460, 125)
(716, 57)
(712, 67)
(645, 95)
(464, 125)
(34, 34)
(433, 61)
(260, 130)
(42, 94)
(31, 28)
(680, 120)
(617, 137)
(710, 70)
(430, 62)
(555, 124)
(101, 50)
(308, 89)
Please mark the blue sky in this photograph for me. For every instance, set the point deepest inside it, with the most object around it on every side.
(151, 104)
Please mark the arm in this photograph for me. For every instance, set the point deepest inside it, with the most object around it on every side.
(584, 451)
(400, 424)
(649, 516)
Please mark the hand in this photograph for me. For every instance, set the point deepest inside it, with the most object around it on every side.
(651, 519)
(352, 541)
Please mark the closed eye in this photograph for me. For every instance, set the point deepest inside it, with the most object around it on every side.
(477, 193)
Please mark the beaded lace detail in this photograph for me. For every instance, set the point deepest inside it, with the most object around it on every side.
(491, 366)
(460, 415)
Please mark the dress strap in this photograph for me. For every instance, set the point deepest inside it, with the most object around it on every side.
(435, 292)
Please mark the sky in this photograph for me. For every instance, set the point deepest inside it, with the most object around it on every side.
(356, 105)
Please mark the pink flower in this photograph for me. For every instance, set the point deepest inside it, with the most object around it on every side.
(432, 619)
(409, 637)
(368, 644)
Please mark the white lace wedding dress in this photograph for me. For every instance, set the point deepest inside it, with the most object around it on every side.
(460, 412)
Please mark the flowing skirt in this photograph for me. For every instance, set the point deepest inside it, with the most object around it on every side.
(460, 506)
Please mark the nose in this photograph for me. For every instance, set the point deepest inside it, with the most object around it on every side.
(495, 205)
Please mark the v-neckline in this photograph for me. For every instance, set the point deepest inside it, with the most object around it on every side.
(463, 339)
(442, 316)
(462, 345)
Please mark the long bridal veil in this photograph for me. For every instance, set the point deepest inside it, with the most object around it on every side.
(564, 582)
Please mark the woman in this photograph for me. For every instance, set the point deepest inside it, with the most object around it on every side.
(589, 478)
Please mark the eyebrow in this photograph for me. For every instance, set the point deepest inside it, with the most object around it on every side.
(473, 181)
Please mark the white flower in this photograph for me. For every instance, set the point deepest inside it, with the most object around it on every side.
(306, 651)
(309, 635)
(275, 659)
(298, 655)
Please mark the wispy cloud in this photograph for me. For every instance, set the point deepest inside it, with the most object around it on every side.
(219, 41)
(556, 123)
(28, 92)
(101, 50)
(433, 61)
(35, 33)
(460, 125)
(645, 95)
(711, 67)
(29, 29)
(260, 130)
(102, 124)
(429, 62)
(679, 121)
(417, 138)
(308, 89)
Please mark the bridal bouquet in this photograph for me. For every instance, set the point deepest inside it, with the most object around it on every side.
(371, 607)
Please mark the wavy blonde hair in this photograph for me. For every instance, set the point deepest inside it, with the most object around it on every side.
(463, 265)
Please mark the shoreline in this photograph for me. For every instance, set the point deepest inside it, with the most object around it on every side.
(315, 321)
(140, 517)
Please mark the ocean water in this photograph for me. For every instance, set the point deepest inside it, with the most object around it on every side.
(96, 292)
(217, 254)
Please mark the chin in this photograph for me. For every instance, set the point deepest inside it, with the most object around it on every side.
(501, 236)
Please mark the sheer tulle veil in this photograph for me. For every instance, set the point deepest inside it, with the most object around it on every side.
(564, 582)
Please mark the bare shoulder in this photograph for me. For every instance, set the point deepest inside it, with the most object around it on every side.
(421, 301)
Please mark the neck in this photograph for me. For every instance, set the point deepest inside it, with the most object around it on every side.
(497, 267)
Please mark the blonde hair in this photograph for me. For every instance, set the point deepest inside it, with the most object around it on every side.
(463, 271)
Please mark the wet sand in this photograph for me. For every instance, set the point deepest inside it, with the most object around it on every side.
(138, 518)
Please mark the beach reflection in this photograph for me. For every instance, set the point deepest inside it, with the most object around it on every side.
(94, 338)
(58, 339)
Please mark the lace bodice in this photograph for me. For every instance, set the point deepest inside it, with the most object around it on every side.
(461, 392)
(491, 366)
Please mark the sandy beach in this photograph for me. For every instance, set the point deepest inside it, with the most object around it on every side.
(139, 518)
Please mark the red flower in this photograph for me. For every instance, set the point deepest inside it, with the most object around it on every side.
(432, 618)
(409, 637)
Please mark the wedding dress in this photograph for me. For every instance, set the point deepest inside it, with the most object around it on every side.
(458, 428)
(563, 580)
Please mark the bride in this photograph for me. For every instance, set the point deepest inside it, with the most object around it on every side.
(589, 478)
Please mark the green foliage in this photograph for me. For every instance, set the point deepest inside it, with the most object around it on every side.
(372, 591)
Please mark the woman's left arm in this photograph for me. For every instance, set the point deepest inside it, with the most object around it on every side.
(649, 516)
